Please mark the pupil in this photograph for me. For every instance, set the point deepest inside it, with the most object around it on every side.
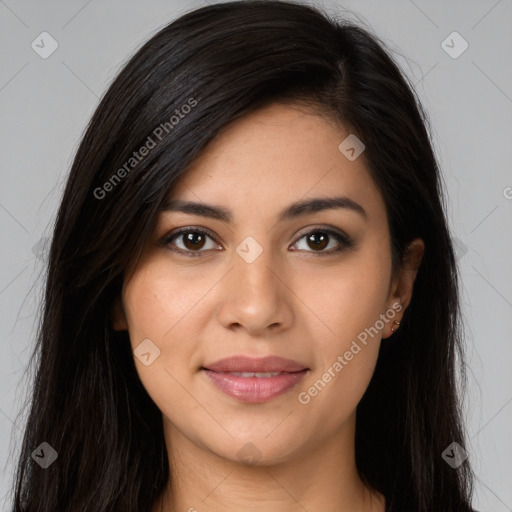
(318, 244)
(192, 239)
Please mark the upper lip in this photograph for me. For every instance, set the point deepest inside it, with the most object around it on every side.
(242, 363)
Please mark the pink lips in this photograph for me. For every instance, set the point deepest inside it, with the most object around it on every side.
(225, 375)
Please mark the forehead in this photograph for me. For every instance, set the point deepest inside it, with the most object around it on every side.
(275, 156)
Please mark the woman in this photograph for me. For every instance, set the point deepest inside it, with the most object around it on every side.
(251, 301)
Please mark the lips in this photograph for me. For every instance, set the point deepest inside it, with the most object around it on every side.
(254, 380)
(251, 364)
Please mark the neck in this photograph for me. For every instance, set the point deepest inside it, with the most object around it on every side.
(321, 477)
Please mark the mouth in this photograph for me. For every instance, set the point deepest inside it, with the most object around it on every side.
(254, 380)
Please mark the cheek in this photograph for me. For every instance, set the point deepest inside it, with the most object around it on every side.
(156, 309)
(349, 303)
(344, 363)
(350, 299)
(156, 300)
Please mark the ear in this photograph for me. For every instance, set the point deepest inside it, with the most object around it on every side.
(403, 282)
(118, 316)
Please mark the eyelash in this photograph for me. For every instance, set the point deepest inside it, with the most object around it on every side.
(345, 241)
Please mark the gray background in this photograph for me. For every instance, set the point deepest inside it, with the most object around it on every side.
(46, 103)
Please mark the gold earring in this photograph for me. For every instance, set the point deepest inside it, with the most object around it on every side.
(397, 325)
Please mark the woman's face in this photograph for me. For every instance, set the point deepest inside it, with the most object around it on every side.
(312, 285)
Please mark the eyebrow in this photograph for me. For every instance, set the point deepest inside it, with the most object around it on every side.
(292, 211)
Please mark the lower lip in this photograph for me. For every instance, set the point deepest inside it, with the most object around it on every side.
(254, 389)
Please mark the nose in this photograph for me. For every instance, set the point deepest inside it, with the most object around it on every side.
(255, 297)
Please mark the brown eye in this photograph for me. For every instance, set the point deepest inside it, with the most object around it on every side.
(320, 239)
(190, 241)
(193, 240)
(317, 240)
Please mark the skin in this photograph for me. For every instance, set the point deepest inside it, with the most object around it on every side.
(297, 304)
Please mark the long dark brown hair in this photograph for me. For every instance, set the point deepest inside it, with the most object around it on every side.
(177, 92)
